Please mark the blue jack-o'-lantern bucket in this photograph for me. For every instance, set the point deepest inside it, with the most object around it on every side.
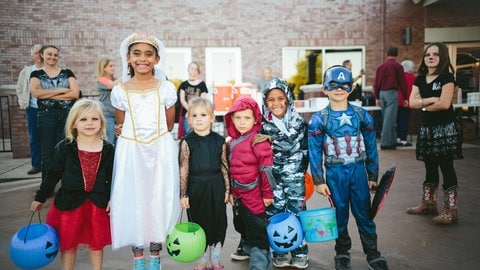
(284, 232)
(34, 246)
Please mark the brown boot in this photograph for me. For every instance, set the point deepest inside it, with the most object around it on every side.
(428, 206)
(449, 213)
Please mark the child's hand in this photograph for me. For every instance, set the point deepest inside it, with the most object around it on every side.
(323, 189)
(36, 206)
(108, 208)
(261, 138)
(185, 202)
(118, 129)
(227, 197)
(231, 199)
(267, 202)
(372, 185)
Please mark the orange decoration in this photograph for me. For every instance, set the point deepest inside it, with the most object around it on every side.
(309, 186)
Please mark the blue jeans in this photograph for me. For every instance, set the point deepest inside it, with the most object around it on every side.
(260, 259)
(51, 125)
(186, 127)
(34, 136)
(389, 104)
(110, 125)
(403, 120)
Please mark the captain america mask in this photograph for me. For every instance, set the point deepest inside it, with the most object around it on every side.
(337, 77)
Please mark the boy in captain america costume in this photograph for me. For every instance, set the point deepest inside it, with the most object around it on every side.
(341, 137)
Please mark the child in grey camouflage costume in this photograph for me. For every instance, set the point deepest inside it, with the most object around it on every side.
(288, 132)
(290, 160)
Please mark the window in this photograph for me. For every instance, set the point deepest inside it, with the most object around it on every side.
(329, 55)
(223, 65)
(177, 63)
(466, 61)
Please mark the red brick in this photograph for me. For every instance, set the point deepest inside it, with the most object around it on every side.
(86, 30)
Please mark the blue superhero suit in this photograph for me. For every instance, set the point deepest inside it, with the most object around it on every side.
(345, 143)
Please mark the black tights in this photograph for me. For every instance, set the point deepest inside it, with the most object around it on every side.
(448, 172)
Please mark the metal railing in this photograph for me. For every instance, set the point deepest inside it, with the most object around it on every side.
(5, 125)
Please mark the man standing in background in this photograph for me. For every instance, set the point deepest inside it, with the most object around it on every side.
(389, 81)
(356, 93)
(264, 81)
(29, 104)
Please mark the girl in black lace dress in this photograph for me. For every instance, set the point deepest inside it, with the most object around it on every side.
(439, 140)
(204, 181)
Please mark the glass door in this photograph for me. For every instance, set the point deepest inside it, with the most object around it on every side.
(467, 66)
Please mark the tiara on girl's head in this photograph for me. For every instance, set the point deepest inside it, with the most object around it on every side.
(143, 37)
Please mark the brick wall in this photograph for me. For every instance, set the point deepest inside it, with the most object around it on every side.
(18, 123)
(86, 30)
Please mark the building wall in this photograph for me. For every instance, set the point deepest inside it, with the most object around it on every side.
(86, 30)
(20, 140)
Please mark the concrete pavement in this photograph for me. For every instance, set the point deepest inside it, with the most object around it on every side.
(406, 241)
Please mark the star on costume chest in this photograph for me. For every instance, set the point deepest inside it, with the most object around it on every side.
(344, 120)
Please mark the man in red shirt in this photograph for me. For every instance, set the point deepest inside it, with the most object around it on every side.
(389, 81)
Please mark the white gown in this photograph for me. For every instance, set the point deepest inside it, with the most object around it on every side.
(145, 189)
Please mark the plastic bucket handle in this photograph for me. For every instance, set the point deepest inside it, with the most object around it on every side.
(30, 223)
(331, 201)
(317, 223)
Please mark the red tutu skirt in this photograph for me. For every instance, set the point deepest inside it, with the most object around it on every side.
(87, 225)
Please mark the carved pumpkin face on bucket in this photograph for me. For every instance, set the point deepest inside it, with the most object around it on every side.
(34, 246)
(284, 232)
(186, 243)
(173, 247)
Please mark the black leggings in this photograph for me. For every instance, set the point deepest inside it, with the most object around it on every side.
(448, 172)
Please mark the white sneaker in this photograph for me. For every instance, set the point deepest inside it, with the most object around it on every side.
(280, 261)
(299, 262)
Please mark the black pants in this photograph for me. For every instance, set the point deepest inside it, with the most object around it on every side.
(448, 172)
(251, 227)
